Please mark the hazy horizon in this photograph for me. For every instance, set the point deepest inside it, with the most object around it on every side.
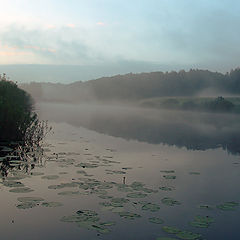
(105, 38)
(66, 74)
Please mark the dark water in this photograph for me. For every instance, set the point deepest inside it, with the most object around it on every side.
(128, 145)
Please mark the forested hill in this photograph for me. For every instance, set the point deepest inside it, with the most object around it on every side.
(131, 87)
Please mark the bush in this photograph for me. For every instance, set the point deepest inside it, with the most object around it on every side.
(220, 105)
(16, 111)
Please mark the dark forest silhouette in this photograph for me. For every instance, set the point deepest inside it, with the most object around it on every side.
(135, 87)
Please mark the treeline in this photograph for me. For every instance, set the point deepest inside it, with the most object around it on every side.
(135, 87)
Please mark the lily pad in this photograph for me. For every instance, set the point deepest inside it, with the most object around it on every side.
(87, 165)
(166, 238)
(151, 207)
(169, 177)
(136, 195)
(52, 204)
(13, 184)
(202, 221)
(21, 190)
(167, 171)
(37, 173)
(205, 206)
(107, 224)
(69, 193)
(170, 201)
(129, 215)
(194, 173)
(156, 220)
(166, 188)
(119, 200)
(228, 206)
(105, 196)
(26, 205)
(188, 235)
(170, 229)
(50, 177)
(30, 199)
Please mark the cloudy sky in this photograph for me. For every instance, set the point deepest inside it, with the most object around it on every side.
(170, 33)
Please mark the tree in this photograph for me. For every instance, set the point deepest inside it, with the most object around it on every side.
(16, 111)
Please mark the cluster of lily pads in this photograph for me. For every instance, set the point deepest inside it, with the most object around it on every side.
(182, 234)
(31, 202)
(88, 219)
(124, 206)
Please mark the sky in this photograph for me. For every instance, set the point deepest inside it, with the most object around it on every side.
(164, 34)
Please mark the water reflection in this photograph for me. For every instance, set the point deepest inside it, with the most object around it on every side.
(196, 131)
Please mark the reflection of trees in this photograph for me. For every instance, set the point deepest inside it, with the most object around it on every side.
(180, 135)
(206, 132)
(196, 131)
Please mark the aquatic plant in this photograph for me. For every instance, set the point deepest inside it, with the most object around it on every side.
(21, 130)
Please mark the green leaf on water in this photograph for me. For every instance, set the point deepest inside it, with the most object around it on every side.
(166, 188)
(156, 220)
(129, 215)
(151, 207)
(21, 190)
(136, 195)
(169, 177)
(26, 205)
(202, 221)
(52, 204)
(186, 235)
(170, 201)
(228, 206)
(30, 199)
(50, 177)
(170, 229)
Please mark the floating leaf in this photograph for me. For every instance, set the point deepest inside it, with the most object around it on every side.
(228, 206)
(69, 193)
(151, 207)
(205, 206)
(136, 195)
(37, 173)
(166, 188)
(21, 190)
(202, 221)
(50, 177)
(87, 165)
(105, 197)
(194, 173)
(169, 177)
(30, 199)
(119, 200)
(52, 204)
(170, 201)
(170, 229)
(129, 215)
(26, 205)
(156, 220)
(166, 238)
(13, 184)
(107, 224)
(167, 171)
(188, 235)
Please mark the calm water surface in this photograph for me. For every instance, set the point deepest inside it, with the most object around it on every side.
(127, 145)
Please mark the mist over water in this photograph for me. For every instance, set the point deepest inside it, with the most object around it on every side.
(192, 130)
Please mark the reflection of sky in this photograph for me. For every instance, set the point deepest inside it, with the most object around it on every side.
(192, 33)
